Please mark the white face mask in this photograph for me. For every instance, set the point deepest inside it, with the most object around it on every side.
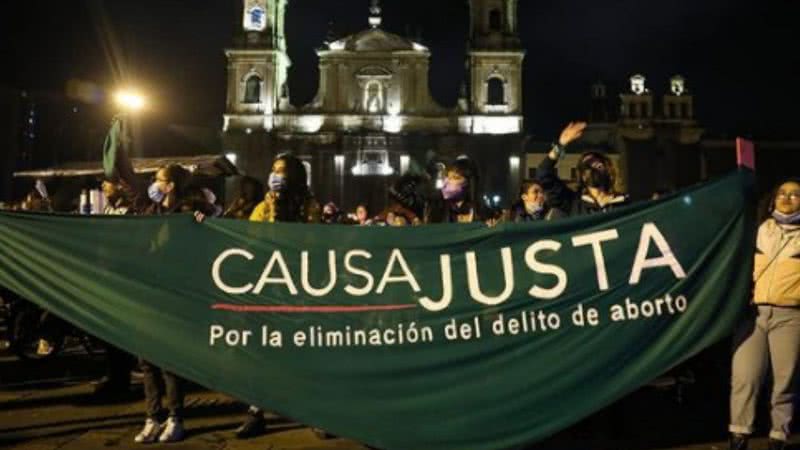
(786, 219)
(155, 193)
(534, 208)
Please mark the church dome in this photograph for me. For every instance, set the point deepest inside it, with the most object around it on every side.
(376, 40)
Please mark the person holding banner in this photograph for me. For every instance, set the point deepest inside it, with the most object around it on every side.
(251, 191)
(169, 193)
(117, 378)
(596, 179)
(406, 202)
(532, 204)
(769, 338)
(288, 200)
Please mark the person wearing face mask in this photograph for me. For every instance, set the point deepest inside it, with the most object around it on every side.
(458, 199)
(596, 179)
(288, 200)
(532, 204)
(768, 339)
(169, 193)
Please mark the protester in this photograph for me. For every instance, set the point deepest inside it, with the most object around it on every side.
(331, 214)
(531, 204)
(288, 200)
(406, 203)
(170, 192)
(361, 216)
(769, 337)
(386, 220)
(117, 204)
(458, 201)
(251, 192)
(596, 179)
(117, 378)
(37, 199)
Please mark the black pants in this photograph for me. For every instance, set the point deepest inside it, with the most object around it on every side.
(160, 383)
(118, 367)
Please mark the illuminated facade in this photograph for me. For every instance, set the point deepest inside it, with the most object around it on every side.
(373, 113)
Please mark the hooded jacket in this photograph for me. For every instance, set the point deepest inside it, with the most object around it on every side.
(777, 265)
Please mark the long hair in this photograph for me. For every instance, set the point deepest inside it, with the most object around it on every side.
(179, 177)
(438, 210)
(258, 188)
(409, 192)
(610, 167)
(467, 169)
(289, 206)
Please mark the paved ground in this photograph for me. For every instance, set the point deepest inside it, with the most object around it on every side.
(50, 406)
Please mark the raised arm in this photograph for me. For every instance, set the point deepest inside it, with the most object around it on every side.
(559, 195)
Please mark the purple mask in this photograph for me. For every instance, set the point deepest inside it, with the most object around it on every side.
(452, 191)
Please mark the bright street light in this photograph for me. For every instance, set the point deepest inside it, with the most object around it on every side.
(129, 100)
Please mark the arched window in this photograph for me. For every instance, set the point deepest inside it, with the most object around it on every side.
(496, 92)
(495, 20)
(252, 89)
(373, 97)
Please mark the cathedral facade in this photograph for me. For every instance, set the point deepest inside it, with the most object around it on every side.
(373, 117)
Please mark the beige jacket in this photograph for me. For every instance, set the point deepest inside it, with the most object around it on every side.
(777, 265)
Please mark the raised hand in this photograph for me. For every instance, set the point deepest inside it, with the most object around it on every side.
(572, 132)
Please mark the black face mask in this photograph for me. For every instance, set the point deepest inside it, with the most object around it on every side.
(599, 179)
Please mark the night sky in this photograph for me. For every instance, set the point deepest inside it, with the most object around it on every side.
(739, 58)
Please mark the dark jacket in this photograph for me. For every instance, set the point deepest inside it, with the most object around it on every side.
(439, 210)
(191, 200)
(570, 203)
(520, 214)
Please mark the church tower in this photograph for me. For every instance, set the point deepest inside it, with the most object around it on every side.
(495, 58)
(258, 67)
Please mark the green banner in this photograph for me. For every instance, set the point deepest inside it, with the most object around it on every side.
(435, 337)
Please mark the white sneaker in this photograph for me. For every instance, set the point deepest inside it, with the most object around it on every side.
(149, 433)
(173, 431)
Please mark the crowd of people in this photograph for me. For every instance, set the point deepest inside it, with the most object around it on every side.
(768, 338)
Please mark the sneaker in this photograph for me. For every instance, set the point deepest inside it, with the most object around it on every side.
(254, 425)
(776, 444)
(738, 442)
(149, 433)
(173, 430)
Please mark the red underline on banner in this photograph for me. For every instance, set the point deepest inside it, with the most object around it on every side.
(307, 309)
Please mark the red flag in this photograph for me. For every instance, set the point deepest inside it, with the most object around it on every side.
(745, 153)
